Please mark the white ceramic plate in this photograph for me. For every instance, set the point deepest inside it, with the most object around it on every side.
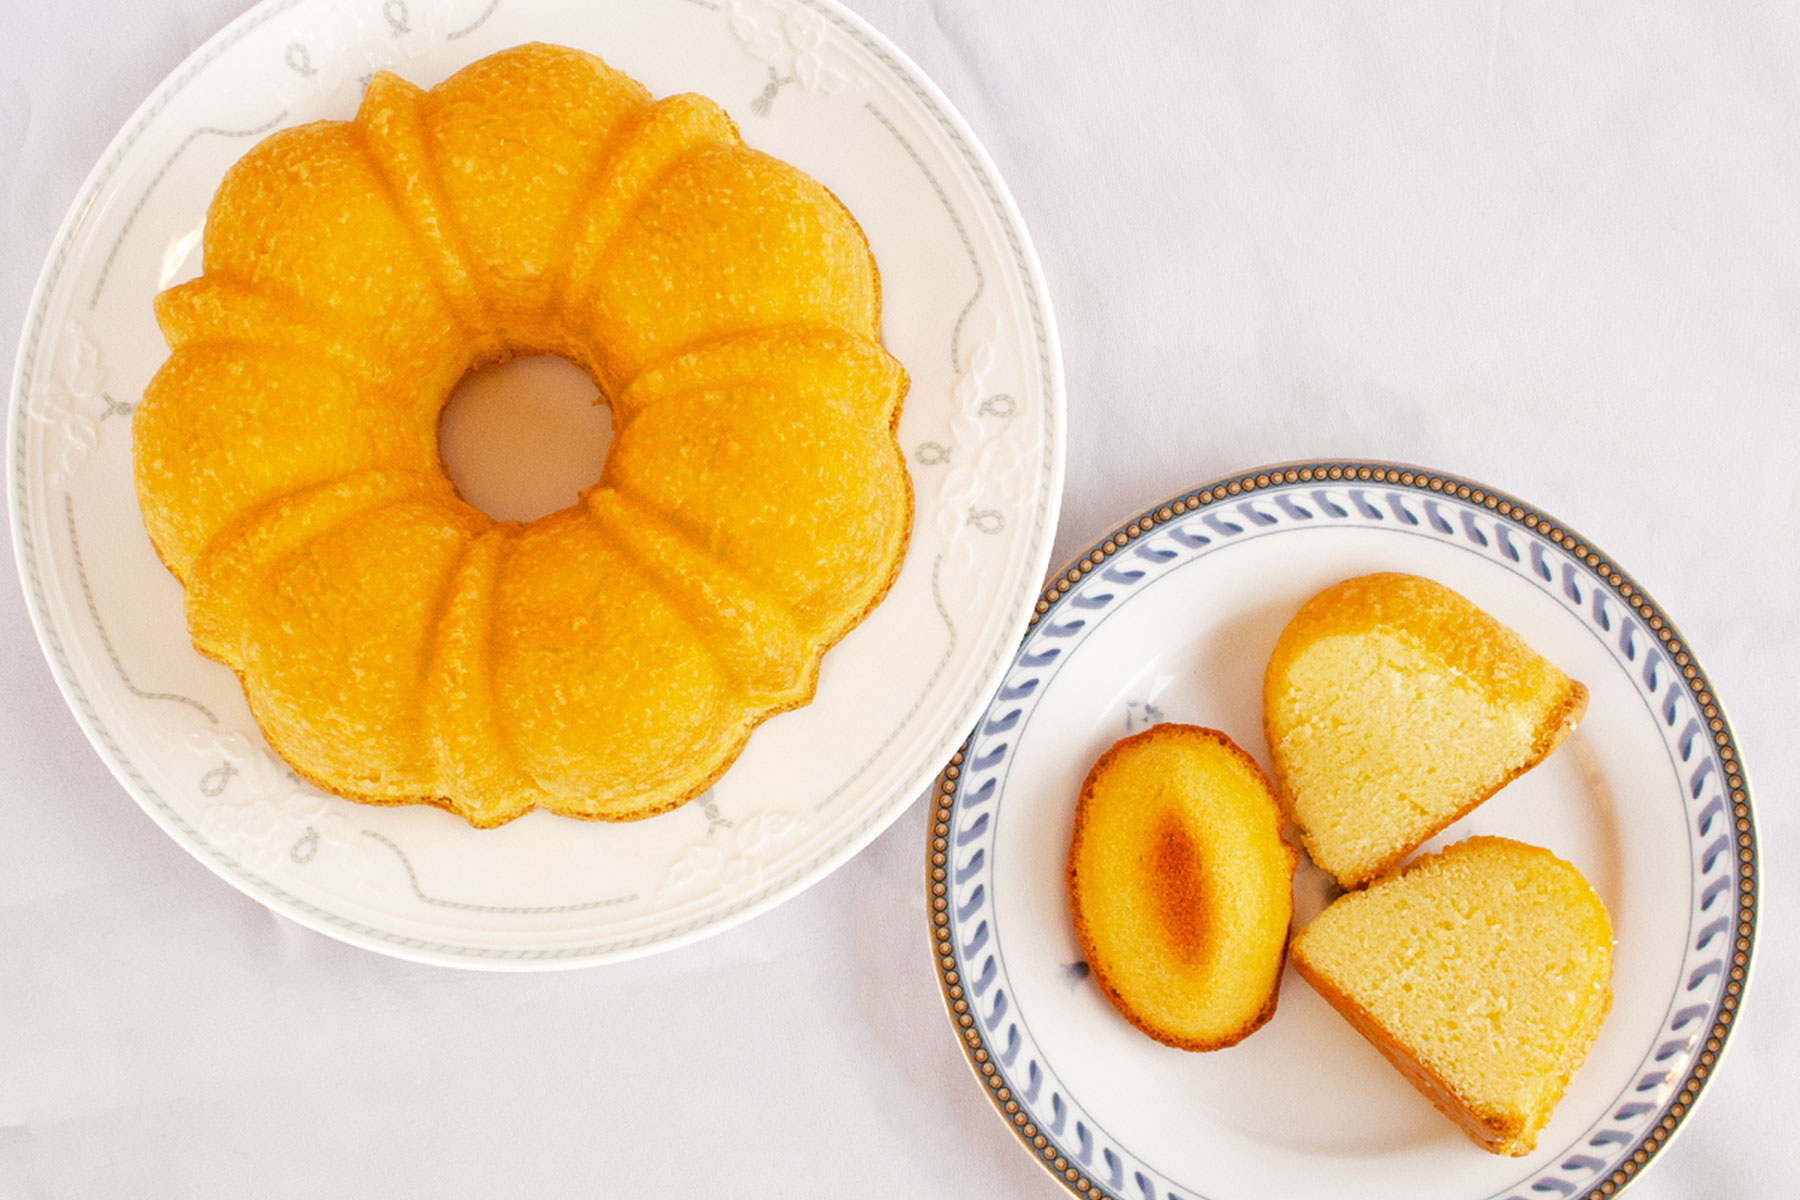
(1173, 618)
(964, 308)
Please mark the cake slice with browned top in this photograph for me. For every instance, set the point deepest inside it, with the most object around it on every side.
(1393, 706)
(1483, 973)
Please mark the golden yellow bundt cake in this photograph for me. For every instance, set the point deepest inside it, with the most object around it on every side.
(1181, 886)
(1393, 706)
(1483, 973)
(395, 644)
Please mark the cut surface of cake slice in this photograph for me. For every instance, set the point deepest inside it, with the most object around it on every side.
(1181, 887)
(1393, 706)
(1483, 973)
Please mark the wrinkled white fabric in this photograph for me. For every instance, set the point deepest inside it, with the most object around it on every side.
(1555, 249)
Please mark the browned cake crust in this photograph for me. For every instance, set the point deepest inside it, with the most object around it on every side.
(1391, 933)
(1200, 948)
(1501, 1138)
(1452, 639)
(607, 661)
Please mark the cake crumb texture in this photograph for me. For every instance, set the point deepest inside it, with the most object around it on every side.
(1393, 706)
(1482, 972)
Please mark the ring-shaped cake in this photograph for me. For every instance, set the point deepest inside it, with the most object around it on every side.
(609, 660)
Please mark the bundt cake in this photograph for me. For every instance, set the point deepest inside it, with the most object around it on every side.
(1393, 706)
(1483, 973)
(1181, 886)
(609, 660)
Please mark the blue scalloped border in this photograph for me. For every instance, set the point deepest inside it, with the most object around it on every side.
(1716, 961)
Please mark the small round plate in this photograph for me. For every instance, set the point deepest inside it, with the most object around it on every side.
(964, 308)
(1172, 618)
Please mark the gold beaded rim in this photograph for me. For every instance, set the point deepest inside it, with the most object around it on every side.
(1597, 564)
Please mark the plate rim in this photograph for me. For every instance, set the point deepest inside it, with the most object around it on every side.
(1054, 1154)
(856, 835)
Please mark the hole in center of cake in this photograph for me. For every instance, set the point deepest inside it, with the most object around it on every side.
(523, 439)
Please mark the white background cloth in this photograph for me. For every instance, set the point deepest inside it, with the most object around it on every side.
(1553, 248)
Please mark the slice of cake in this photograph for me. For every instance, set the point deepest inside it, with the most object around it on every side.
(1181, 886)
(1482, 972)
(1393, 706)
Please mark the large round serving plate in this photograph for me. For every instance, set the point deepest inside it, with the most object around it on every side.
(964, 308)
(1172, 617)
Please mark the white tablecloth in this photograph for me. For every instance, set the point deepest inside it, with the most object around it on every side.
(1553, 248)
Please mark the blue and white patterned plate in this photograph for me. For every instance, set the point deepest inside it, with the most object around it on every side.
(964, 308)
(1172, 617)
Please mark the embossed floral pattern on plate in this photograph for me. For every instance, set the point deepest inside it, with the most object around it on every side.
(804, 80)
